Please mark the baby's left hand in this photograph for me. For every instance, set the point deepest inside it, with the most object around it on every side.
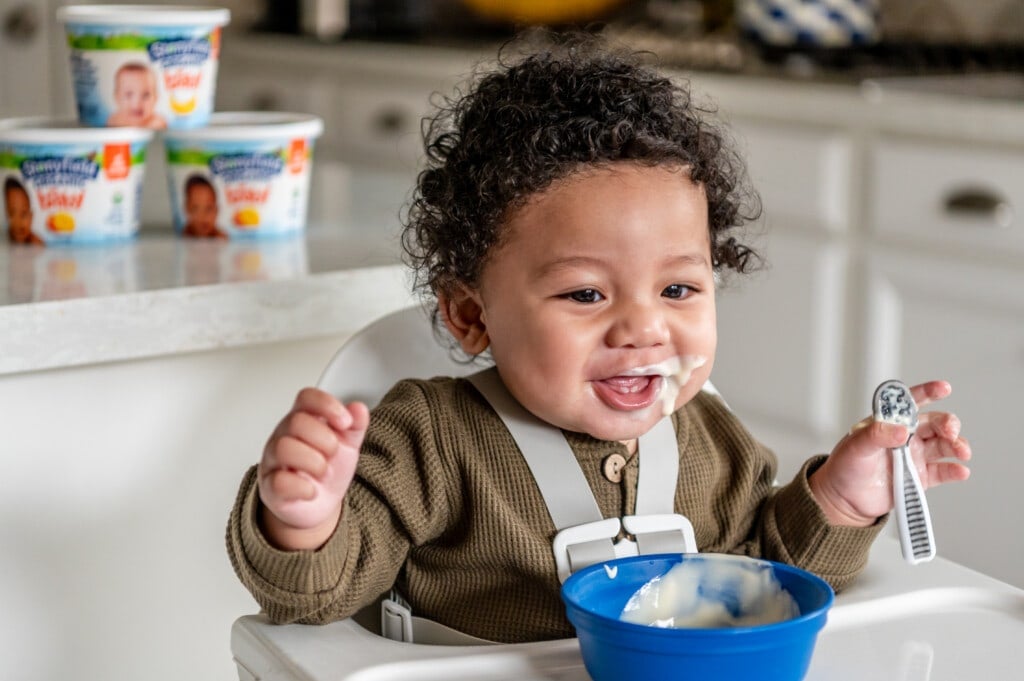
(854, 485)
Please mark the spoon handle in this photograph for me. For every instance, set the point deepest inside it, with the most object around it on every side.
(912, 517)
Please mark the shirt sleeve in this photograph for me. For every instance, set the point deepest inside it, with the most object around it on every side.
(399, 498)
(795, 530)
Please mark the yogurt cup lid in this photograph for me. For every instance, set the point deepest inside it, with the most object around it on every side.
(250, 125)
(152, 15)
(41, 130)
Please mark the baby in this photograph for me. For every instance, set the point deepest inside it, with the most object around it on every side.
(573, 219)
(201, 209)
(135, 94)
(18, 207)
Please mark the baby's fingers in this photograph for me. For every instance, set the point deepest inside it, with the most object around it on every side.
(938, 424)
(930, 391)
(945, 471)
(311, 430)
(295, 455)
(360, 419)
(285, 486)
(325, 406)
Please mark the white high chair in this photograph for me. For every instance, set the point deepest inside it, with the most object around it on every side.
(399, 345)
(402, 345)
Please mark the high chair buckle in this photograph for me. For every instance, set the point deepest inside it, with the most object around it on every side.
(396, 618)
(579, 546)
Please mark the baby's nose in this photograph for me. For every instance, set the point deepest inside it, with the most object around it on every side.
(638, 325)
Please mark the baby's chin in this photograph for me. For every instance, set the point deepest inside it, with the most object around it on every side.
(623, 427)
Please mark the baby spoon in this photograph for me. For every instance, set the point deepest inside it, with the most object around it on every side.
(893, 403)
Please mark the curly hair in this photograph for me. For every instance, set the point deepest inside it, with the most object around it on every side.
(572, 104)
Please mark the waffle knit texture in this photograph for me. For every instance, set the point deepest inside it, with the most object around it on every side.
(444, 507)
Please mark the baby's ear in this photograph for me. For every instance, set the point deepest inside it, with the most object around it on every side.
(463, 317)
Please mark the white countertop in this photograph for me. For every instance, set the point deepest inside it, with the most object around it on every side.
(160, 294)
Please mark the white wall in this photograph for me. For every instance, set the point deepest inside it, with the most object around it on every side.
(115, 486)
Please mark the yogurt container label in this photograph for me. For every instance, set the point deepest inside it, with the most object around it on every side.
(239, 189)
(71, 192)
(139, 68)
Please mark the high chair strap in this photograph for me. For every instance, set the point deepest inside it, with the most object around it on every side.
(552, 462)
(584, 536)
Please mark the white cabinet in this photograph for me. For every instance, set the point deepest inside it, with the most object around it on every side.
(780, 349)
(965, 197)
(372, 98)
(943, 297)
(27, 32)
(931, 317)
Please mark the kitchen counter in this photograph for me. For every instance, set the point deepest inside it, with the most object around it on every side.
(159, 294)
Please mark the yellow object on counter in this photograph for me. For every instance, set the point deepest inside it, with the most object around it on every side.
(541, 11)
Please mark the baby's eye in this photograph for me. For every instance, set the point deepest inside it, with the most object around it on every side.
(587, 295)
(677, 291)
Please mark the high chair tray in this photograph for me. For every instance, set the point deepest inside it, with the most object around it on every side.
(937, 621)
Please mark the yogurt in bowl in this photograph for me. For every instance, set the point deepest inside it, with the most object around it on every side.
(144, 66)
(245, 175)
(64, 183)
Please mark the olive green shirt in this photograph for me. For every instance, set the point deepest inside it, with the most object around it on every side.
(444, 507)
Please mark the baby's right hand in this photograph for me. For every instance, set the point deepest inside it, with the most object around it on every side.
(306, 469)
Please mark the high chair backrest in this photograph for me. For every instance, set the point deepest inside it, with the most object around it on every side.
(399, 345)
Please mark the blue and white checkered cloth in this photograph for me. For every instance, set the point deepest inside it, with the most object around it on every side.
(822, 23)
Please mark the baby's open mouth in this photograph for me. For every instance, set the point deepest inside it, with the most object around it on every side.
(628, 392)
(640, 387)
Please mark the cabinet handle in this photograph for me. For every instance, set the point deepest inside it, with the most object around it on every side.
(21, 23)
(979, 204)
(390, 121)
(264, 101)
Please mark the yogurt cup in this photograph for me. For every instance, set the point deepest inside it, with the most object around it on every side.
(245, 175)
(64, 183)
(144, 66)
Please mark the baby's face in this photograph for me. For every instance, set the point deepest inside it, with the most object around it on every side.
(135, 95)
(201, 209)
(19, 214)
(601, 274)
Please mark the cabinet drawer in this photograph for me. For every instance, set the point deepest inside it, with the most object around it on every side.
(266, 92)
(953, 195)
(379, 124)
(803, 174)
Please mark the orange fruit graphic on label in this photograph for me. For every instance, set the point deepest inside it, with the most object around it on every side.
(183, 106)
(247, 218)
(61, 222)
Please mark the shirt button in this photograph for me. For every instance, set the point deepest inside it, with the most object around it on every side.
(612, 467)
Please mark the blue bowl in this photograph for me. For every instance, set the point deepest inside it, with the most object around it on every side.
(614, 650)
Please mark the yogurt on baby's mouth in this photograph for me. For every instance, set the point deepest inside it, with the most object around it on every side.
(675, 372)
